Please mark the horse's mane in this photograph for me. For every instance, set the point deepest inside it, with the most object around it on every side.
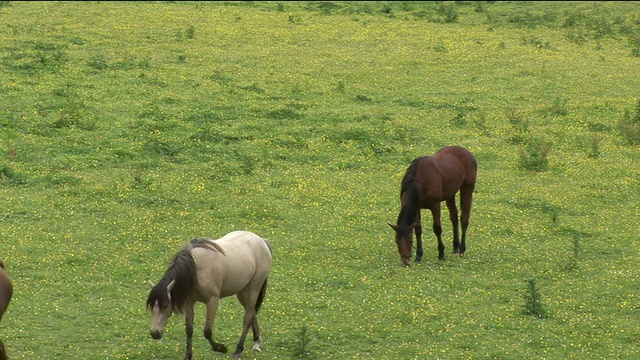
(409, 175)
(206, 243)
(183, 270)
(408, 212)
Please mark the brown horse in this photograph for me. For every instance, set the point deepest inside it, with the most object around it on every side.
(6, 290)
(428, 181)
(207, 270)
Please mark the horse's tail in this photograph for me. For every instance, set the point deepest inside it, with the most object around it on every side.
(261, 295)
(263, 289)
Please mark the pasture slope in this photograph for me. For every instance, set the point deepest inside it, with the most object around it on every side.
(128, 128)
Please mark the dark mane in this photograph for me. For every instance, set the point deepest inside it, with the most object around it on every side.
(207, 243)
(409, 175)
(183, 270)
(409, 209)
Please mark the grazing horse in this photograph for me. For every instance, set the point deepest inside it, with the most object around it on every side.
(6, 290)
(428, 181)
(207, 270)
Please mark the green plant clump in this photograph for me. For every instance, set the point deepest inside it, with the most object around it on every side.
(533, 301)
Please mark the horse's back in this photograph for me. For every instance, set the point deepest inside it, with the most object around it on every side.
(439, 177)
(245, 260)
(462, 160)
(242, 240)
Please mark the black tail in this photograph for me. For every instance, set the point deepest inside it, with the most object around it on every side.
(263, 290)
(261, 295)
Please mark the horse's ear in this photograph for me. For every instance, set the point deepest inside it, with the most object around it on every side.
(170, 286)
(151, 284)
(395, 228)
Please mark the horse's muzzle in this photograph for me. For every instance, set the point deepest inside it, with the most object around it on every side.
(406, 260)
(157, 335)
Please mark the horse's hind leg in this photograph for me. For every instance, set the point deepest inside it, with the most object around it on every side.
(466, 196)
(256, 334)
(250, 320)
(453, 215)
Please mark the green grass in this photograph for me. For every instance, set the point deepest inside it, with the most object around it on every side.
(126, 129)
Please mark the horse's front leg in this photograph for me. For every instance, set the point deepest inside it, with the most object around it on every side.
(437, 229)
(418, 230)
(188, 327)
(212, 307)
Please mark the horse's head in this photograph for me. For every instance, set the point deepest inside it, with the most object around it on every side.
(159, 302)
(404, 240)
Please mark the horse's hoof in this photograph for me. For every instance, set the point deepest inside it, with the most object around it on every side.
(220, 348)
(256, 346)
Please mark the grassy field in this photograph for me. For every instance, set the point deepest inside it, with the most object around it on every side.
(127, 129)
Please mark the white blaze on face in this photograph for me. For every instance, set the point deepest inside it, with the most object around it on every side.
(161, 314)
(159, 319)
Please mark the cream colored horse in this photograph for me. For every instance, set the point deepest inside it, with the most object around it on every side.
(207, 270)
(6, 290)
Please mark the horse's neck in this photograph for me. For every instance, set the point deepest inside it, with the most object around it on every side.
(409, 208)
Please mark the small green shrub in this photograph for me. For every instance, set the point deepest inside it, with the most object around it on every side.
(594, 146)
(458, 119)
(635, 45)
(480, 122)
(573, 262)
(554, 214)
(283, 113)
(536, 43)
(161, 148)
(300, 349)
(98, 62)
(6, 171)
(629, 126)
(533, 301)
(449, 12)
(139, 181)
(191, 32)
(519, 126)
(363, 99)
(533, 156)
(8, 174)
(441, 48)
(558, 108)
